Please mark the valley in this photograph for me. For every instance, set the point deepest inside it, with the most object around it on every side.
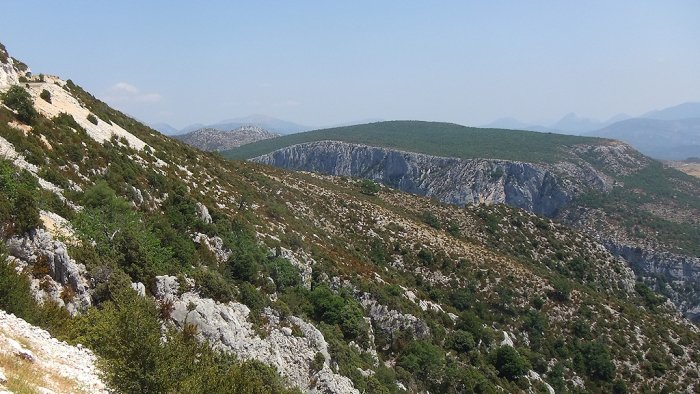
(372, 258)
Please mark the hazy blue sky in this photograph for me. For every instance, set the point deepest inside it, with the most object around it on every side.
(326, 62)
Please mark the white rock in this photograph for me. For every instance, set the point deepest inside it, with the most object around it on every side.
(55, 358)
(20, 351)
(3, 378)
(203, 213)
(227, 328)
(139, 288)
(507, 341)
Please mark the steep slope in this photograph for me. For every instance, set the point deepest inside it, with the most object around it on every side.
(33, 361)
(208, 139)
(342, 285)
(661, 139)
(603, 187)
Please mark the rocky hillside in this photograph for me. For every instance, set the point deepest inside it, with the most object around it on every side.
(185, 272)
(33, 361)
(209, 139)
(603, 187)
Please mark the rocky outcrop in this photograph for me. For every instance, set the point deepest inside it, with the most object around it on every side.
(392, 321)
(214, 244)
(676, 271)
(451, 180)
(64, 282)
(227, 327)
(203, 213)
(48, 365)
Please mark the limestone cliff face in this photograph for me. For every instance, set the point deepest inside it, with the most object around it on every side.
(682, 272)
(451, 180)
(544, 189)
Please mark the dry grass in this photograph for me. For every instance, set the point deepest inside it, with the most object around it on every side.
(26, 377)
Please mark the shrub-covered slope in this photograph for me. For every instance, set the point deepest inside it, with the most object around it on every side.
(642, 211)
(432, 138)
(127, 237)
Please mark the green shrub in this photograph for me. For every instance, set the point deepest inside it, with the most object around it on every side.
(15, 295)
(594, 357)
(19, 99)
(126, 334)
(92, 119)
(369, 187)
(284, 273)
(430, 219)
(19, 204)
(45, 95)
(212, 284)
(121, 234)
(341, 310)
(423, 359)
(251, 296)
(461, 341)
(509, 363)
(562, 289)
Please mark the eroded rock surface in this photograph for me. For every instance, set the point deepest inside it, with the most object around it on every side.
(65, 281)
(227, 327)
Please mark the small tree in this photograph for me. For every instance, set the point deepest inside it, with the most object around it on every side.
(369, 187)
(46, 95)
(19, 99)
(509, 363)
(92, 119)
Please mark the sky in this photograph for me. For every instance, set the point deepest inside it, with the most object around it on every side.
(321, 63)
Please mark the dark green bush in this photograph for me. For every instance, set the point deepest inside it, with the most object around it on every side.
(461, 341)
(15, 295)
(45, 95)
(594, 357)
(422, 359)
(562, 289)
(19, 99)
(19, 204)
(341, 310)
(283, 273)
(369, 187)
(430, 219)
(509, 363)
(92, 119)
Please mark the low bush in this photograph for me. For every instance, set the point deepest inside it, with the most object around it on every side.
(19, 99)
(45, 95)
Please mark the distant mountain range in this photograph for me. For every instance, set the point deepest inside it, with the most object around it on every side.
(268, 123)
(668, 134)
(660, 139)
(274, 125)
(210, 139)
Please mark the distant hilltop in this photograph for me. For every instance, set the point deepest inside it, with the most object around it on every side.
(211, 139)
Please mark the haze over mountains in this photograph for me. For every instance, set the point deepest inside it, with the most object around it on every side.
(268, 123)
(668, 134)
